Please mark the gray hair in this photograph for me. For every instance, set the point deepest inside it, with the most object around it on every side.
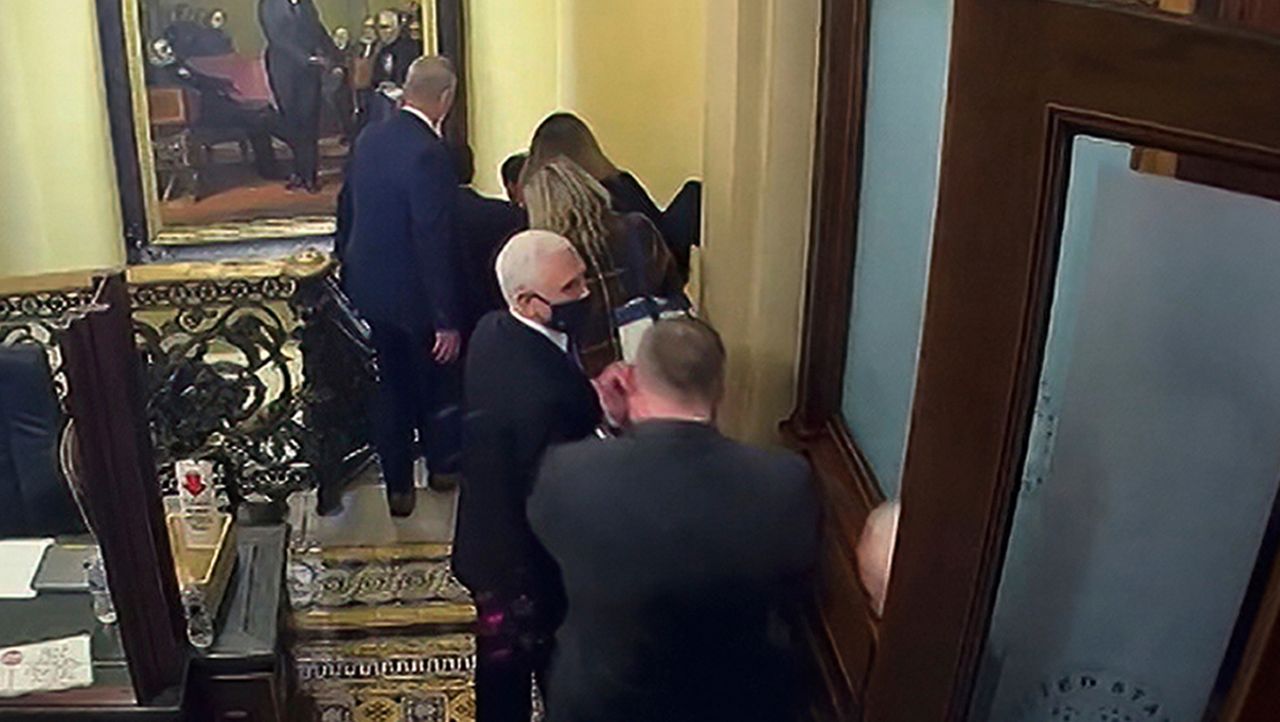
(429, 77)
(389, 14)
(519, 264)
(684, 357)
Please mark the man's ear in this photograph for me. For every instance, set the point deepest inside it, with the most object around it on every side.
(524, 304)
(628, 377)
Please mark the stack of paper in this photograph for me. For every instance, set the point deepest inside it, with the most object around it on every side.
(19, 560)
(50, 666)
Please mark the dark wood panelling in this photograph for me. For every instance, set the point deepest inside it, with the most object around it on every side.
(837, 175)
(115, 68)
(1263, 15)
(452, 33)
(122, 494)
(843, 632)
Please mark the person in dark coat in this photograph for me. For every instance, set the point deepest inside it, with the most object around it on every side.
(298, 49)
(483, 224)
(396, 241)
(525, 392)
(512, 167)
(211, 38)
(362, 61)
(183, 29)
(396, 51)
(219, 107)
(684, 554)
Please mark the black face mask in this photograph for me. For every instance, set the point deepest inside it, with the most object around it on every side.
(568, 316)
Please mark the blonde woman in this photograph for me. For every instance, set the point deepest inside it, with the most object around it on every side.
(624, 253)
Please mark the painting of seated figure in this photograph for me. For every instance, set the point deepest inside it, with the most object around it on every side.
(245, 110)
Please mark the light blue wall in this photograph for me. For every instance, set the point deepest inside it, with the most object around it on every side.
(907, 78)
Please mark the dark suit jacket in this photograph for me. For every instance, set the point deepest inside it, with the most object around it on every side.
(294, 34)
(395, 227)
(522, 396)
(680, 552)
(482, 225)
(400, 54)
(629, 196)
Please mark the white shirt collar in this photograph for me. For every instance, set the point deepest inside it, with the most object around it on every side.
(559, 338)
(437, 128)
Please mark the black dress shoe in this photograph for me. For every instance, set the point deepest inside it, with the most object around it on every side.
(401, 505)
(295, 182)
(328, 504)
(443, 482)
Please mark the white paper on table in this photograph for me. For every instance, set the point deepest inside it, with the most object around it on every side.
(51, 666)
(19, 560)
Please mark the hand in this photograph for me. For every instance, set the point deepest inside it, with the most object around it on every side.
(611, 387)
(447, 346)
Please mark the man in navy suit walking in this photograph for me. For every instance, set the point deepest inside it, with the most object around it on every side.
(400, 266)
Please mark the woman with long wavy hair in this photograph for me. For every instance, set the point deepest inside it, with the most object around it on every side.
(624, 253)
(565, 134)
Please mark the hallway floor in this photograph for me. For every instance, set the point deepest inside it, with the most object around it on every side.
(381, 628)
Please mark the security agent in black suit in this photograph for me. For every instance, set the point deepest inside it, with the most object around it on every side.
(682, 553)
(298, 48)
(399, 258)
(524, 393)
(482, 225)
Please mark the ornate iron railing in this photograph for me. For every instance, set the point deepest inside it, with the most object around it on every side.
(260, 367)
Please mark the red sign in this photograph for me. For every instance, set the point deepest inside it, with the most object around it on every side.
(194, 483)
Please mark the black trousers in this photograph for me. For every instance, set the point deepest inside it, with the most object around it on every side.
(259, 124)
(416, 396)
(514, 640)
(297, 92)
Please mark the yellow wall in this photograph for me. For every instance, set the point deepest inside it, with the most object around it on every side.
(635, 71)
(761, 110)
(725, 89)
(59, 207)
(511, 68)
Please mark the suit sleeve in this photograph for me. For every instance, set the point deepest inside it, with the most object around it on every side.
(346, 211)
(433, 188)
(543, 507)
(664, 273)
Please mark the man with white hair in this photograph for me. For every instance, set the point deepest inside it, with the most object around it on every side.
(524, 393)
(399, 264)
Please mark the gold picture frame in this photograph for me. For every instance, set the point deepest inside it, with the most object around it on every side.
(158, 231)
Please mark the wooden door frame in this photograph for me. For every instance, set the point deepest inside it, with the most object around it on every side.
(122, 494)
(1021, 73)
(843, 635)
